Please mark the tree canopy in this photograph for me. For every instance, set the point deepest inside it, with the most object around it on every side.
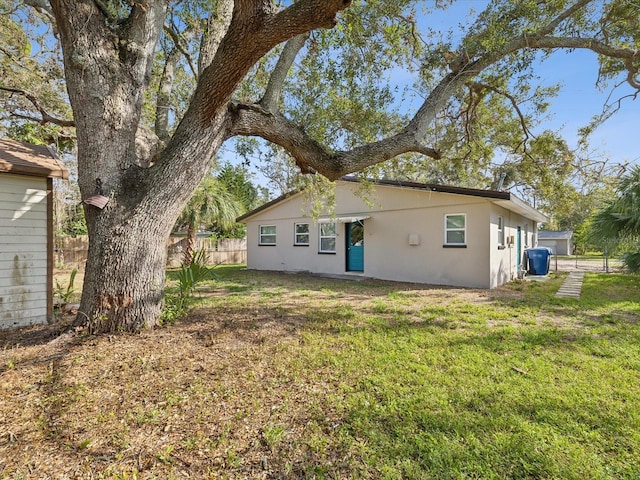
(156, 88)
(619, 220)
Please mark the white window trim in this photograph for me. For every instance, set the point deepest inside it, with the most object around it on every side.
(295, 235)
(464, 230)
(321, 237)
(501, 235)
(260, 235)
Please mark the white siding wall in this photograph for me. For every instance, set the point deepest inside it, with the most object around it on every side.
(23, 250)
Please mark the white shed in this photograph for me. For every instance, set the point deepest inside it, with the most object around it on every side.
(559, 241)
(26, 232)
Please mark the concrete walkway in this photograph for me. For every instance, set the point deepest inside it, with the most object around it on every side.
(572, 285)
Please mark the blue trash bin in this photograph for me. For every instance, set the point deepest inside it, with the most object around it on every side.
(538, 260)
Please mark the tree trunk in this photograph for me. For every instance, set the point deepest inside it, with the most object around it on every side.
(125, 273)
(189, 245)
(108, 64)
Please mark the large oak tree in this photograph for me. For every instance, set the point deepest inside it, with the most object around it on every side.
(120, 56)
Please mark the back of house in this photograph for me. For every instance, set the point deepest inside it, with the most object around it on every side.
(398, 231)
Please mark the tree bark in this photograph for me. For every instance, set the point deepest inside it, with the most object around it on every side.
(124, 279)
(107, 67)
(187, 257)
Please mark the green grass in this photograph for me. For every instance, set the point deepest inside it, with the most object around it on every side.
(293, 376)
(516, 385)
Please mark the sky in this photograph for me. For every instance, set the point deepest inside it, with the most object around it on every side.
(579, 100)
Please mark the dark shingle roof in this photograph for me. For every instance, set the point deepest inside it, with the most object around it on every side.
(26, 159)
(513, 202)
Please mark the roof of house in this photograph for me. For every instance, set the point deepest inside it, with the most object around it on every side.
(26, 159)
(555, 234)
(504, 199)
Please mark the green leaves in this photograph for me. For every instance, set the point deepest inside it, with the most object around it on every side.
(197, 272)
(619, 220)
(31, 77)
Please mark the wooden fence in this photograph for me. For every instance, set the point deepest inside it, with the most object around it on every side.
(72, 252)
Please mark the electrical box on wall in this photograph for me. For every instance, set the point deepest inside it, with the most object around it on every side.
(414, 239)
(511, 240)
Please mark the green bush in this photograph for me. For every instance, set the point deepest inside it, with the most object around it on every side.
(190, 276)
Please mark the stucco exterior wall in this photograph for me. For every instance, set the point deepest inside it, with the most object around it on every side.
(23, 250)
(504, 257)
(396, 214)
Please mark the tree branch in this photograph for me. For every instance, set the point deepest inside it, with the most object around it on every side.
(274, 88)
(512, 100)
(466, 68)
(178, 41)
(555, 23)
(592, 44)
(305, 15)
(104, 9)
(217, 26)
(46, 117)
(632, 74)
(249, 38)
(311, 156)
(163, 98)
(139, 35)
(41, 6)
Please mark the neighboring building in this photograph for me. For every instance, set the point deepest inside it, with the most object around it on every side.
(26, 232)
(560, 242)
(412, 232)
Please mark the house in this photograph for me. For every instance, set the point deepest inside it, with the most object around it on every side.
(559, 241)
(407, 232)
(26, 232)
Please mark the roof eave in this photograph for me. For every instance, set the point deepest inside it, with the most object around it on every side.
(33, 171)
(519, 206)
(19, 158)
(266, 206)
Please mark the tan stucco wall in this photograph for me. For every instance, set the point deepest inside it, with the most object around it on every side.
(503, 261)
(395, 214)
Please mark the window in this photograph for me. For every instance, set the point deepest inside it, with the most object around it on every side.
(455, 229)
(267, 234)
(327, 238)
(500, 231)
(301, 234)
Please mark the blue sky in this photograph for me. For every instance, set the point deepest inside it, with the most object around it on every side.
(579, 100)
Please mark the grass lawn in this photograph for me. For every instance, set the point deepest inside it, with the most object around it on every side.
(293, 376)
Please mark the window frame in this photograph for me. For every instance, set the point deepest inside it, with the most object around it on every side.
(501, 236)
(296, 234)
(462, 244)
(261, 235)
(323, 237)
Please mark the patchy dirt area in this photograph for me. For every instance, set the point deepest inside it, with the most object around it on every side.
(217, 395)
(220, 394)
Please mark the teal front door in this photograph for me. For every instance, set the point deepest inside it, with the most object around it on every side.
(355, 246)
(519, 248)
